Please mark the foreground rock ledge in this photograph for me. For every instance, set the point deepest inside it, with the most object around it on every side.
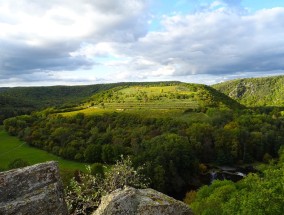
(131, 201)
(35, 189)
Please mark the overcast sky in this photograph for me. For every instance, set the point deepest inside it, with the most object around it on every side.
(68, 42)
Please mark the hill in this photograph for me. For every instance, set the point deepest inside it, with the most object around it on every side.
(23, 100)
(157, 97)
(53, 95)
(255, 92)
(174, 128)
(108, 97)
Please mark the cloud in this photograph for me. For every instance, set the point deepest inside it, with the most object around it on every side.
(44, 36)
(61, 41)
(219, 42)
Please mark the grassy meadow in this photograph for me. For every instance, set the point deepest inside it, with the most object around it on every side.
(12, 148)
(154, 101)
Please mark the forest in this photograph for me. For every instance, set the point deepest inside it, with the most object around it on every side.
(176, 131)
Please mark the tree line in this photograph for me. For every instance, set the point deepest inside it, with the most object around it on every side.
(171, 150)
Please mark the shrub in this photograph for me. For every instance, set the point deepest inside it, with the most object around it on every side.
(18, 163)
(97, 169)
(83, 194)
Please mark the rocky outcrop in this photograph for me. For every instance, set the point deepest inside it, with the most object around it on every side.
(131, 201)
(32, 190)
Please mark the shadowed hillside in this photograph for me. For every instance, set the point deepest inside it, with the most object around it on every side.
(268, 91)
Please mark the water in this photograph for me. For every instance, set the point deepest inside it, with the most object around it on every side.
(213, 176)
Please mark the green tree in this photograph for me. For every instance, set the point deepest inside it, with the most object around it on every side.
(93, 153)
(18, 163)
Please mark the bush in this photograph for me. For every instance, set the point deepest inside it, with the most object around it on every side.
(189, 197)
(83, 194)
(18, 163)
(97, 169)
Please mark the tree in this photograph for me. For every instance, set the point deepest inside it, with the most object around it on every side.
(84, 196)
(18, 163)
(93, 153)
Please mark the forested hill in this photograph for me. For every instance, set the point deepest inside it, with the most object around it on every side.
(53, 95)
(267, 91)
(24, 100)
(168, 95)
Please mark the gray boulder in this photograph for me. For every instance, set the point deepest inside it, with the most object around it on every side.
(35, 189)
(131, 201)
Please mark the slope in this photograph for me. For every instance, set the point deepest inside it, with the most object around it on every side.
(23, 100)
(253, 92)
(157, 97)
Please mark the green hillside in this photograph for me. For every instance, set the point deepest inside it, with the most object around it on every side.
(176, 130)
(267, 91)
(23, 100)
(52, 96)
(157, 97)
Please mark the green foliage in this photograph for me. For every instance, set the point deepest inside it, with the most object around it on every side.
(171, 127)
(93, 153)
(97, 169)
(170, 148)
(259, 194)
(255, 194)
(171, 161)
(84, 194)
(189, 197)
(11, 148)
(210, 199)
(24, 100)
(256, 92)
(154, 96)
(18, 163)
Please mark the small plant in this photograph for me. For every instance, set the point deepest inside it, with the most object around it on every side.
(83, 195)
(189, 197)
(123, 174)
(18, 163)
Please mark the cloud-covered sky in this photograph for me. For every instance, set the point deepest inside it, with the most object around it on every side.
(70, 42)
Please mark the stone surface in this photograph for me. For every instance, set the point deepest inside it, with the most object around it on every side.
(131, 201)
(35, 189)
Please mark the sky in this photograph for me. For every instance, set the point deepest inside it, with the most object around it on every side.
(72, 42)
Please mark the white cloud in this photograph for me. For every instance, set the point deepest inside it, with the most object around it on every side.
(109, 41)
(52, 35)
(217, 42)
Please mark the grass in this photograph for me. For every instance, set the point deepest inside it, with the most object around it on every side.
(88, 112)
(12, 148)
(143, 100)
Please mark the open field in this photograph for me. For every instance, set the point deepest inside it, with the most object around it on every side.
(157, 101)
(12, 148)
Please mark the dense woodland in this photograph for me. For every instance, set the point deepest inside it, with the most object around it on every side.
(171, 149)
(255, 194)
(175, 149)
(255, 92)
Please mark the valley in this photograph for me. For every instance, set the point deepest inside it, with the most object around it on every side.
(177, 131)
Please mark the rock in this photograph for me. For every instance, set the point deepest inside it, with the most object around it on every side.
(35, 189)
(131, 201)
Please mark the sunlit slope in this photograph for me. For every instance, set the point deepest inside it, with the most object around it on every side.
(268, 91)
(158, 97)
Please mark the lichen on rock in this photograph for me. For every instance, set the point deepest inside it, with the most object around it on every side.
(131, 201)
(35, 189)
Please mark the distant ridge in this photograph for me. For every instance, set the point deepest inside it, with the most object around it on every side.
(23, 100)
(162, 95)
(255, 92)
